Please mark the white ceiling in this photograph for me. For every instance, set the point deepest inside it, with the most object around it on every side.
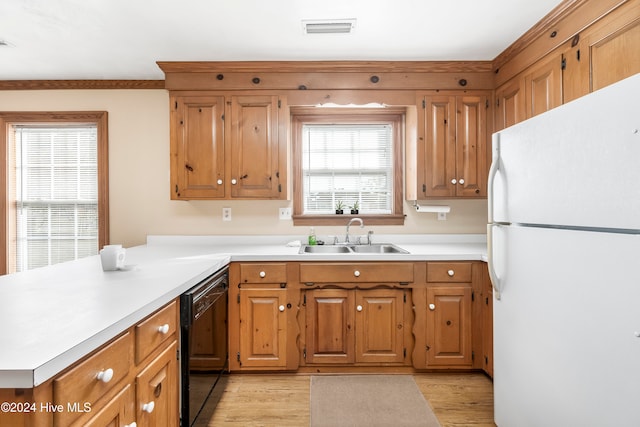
(123, 39)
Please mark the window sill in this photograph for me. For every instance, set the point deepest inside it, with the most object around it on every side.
(344, 219)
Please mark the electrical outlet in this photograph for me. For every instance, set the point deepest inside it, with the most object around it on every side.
(285, 213)
(442, 216)
(226, 214)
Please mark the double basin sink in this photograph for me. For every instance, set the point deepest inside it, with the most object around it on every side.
(375, 248)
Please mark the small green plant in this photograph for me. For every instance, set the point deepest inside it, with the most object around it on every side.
(339, 207)
(355, 206)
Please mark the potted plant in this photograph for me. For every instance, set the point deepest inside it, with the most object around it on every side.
(339, 207)
(355, 208)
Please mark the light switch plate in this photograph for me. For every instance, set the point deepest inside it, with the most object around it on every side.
(226, 214)
(285, 213)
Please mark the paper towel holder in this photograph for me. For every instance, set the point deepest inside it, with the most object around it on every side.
(431, 208)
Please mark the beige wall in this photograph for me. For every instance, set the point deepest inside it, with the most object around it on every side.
(139, 176)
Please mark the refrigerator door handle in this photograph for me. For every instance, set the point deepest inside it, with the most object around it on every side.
(495, 280)
(493, 171)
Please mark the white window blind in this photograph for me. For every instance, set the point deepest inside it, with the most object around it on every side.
(349, 163)
(56, 189)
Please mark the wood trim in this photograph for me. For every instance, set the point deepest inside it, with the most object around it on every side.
(302, 115)
(80, 84)
(100, 118)
(326, 66)
(566, 21)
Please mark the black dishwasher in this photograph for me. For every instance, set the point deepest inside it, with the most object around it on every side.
(203, 343)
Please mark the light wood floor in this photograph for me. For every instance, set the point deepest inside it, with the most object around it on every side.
(283, 400)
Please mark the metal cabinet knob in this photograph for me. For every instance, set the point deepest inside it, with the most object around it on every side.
(451, 273)
(461, 181)
(281, 308)
(454, 181)
(263, 274)
(432, 307)
(219, 182)
(105, 376)
(133, 424)
(356, 273)
(234, 181)
(163, 329)
(359, 308)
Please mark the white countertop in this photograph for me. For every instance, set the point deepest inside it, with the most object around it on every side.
(51, 317)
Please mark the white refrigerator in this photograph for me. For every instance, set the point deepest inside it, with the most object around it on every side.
(564, 259)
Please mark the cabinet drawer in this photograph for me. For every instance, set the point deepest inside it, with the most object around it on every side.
(454, 272)
(93, 378)
(356, 272)
(263, 273)
(155, 330)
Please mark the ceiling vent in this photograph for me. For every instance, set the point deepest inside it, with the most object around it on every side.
(329, 26)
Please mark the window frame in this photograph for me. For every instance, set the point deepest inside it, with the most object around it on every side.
(9, 119)
(314, 115)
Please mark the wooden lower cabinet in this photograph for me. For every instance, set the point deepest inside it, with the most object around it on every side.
(263, 328)
(119, 411)
(157, 390)
(449, 339)
(112, 387)
(345, 326)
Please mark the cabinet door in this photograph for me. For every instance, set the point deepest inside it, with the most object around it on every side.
(254, 147)
(379, 323)
(510, 102)
(197, 147)
(471, 145)
(440, 150)
(543, 86)
(157, 391)
(330, 327)
(614, 53)
(449, 326)
(119, 411)
(263, 328)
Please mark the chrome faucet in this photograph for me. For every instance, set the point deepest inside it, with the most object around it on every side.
(351, 221)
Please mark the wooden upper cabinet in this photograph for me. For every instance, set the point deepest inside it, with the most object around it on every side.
(197, 147)
(510, 102)
(454, 160)
(228, 147)
(614, 51)
(543, 86)
(255, 147)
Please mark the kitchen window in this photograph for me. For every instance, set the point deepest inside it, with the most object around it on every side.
(349, 158)
(57, 189)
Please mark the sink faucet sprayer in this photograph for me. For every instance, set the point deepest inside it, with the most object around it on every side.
(351, 221)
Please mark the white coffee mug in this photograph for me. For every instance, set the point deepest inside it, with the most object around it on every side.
(112, 257)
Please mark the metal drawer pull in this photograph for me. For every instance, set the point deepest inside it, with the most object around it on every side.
(263, 274)
(281, 308)
(219, 182)
(451, 273)
(356, 273)
(432, 307)
(105, 376)
(164, 328)
(359, 308)
(234, 181)
(148, 407)
(133, 424)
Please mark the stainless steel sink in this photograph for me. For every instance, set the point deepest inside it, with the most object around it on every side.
(376, 248)
(324, 249)
(382, 248)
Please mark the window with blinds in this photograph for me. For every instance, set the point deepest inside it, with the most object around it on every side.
(347, 163)
(55, 192)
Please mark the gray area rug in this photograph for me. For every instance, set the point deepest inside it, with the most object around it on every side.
(368, 400)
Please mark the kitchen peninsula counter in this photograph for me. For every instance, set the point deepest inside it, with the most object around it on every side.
(52, 317)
